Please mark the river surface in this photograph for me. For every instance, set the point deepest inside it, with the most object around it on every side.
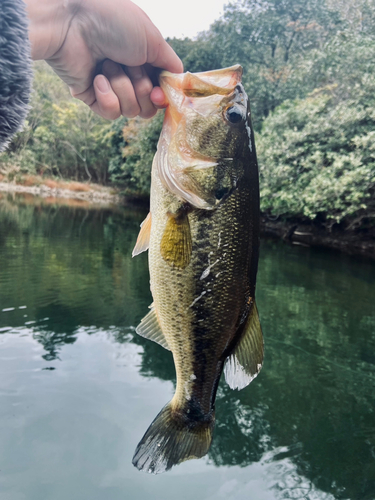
(78, 387)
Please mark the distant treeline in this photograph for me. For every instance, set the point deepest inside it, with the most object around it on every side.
(309, 70)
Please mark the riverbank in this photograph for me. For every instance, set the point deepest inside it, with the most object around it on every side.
(353, 242)
(50, 188)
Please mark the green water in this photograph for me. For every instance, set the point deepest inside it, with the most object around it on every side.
(78, 387)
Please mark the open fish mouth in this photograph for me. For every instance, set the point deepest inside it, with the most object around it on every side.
(183, 158)
(188, 89)
(218, 81)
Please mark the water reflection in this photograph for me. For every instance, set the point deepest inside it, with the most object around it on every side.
(308, 419)
(70, 265)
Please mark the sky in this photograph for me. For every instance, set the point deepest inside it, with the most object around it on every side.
(176, 18)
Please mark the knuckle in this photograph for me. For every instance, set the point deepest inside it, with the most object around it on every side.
(113, 115)
(108, 115)
(143, 88)
(130, 109)
(131, 113)
(86, 97)
(110, 110)
(148, 113)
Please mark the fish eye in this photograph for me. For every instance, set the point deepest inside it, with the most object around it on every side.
(234, 115)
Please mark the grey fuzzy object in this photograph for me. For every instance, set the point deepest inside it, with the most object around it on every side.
(15, 68)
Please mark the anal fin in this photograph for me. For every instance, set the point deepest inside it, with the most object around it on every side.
(245, 362)
(150, 328)
(143, 239)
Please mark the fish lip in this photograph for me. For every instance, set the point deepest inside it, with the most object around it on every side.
(224, 78)
(236, 68)
(188, 89)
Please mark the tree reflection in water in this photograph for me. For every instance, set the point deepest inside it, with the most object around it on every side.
(308, 417)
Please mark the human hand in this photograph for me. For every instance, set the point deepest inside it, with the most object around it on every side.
(106, 51)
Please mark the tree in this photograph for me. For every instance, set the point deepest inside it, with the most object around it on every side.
(317, 155)
(135, 148)
(270, 39)
(61, 136)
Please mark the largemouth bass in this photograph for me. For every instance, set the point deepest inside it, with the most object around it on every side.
(202, 233)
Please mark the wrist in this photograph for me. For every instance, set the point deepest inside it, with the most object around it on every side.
(49, 22)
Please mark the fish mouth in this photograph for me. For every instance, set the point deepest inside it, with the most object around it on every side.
(204, 84)
(189, 90)
(179, 163)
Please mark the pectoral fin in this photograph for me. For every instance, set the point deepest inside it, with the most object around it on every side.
(245, 362)
(150, 328)
(143, 239)
(175, 246)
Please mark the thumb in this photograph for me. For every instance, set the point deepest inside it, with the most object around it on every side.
(163, 56)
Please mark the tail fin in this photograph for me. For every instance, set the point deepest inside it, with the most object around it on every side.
(172, 439)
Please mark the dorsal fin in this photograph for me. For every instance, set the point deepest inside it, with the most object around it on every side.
(245, 362)
(143, 239)
(150, 328)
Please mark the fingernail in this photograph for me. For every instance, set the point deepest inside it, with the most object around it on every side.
(102, 84)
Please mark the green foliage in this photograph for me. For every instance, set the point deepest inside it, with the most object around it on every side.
(135, 147)
(317, 155)
(316, 147)
(270, 39)
(309, 69)
(199, 55)
(61, 136)
(116, 143)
